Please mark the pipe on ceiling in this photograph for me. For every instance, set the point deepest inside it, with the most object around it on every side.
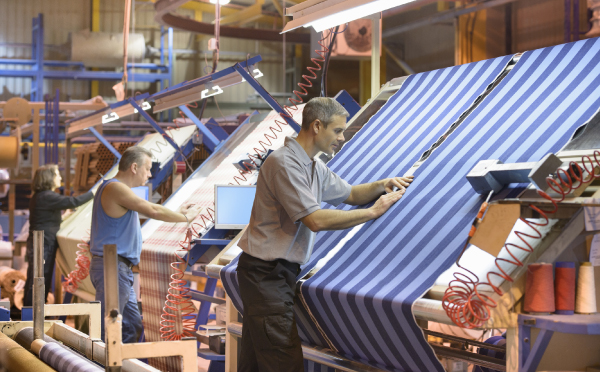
(164, 16)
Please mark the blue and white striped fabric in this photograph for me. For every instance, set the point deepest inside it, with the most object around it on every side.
(61, 359)
(362, 298)
(418, 114)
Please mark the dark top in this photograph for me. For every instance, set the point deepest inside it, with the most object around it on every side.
(44, 212)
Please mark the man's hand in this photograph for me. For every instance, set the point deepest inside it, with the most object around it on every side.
(191, 211)
(386, 201)
(400, 182)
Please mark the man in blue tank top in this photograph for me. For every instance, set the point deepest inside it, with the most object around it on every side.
(115, 221)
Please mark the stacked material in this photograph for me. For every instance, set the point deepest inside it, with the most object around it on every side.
(75, 228)
(362, 291)
(161, 240)
(93, 161)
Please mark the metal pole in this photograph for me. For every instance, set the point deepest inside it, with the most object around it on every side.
(38, 285)
(375, 55)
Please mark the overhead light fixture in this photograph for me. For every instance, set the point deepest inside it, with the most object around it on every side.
(203, 87)
(221, 2)
(108, 114)
(322, 15)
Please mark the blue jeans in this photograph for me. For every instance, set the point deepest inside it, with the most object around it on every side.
(128, 308)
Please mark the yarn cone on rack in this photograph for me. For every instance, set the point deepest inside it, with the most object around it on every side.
(539, 288)
(564, 288)
(585, 302)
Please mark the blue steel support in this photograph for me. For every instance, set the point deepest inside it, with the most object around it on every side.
(171, 69)
(56, 126)
(346, 100)
(210, 140)
(153, 123)
(215, 129)
(209, 290)
(161, 83)
(105, 142)
(37, 45)
(537, 351)
(266, 96)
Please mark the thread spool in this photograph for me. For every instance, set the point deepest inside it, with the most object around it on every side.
(539, 289)
(180, 167)
(585, 302)
(564, 288)
(9, 151)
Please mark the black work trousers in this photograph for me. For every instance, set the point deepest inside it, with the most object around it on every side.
(270, 341)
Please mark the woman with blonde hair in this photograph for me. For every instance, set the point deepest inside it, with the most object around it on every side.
(45, 209)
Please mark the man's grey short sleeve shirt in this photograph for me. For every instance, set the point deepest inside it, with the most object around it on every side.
(290, 186)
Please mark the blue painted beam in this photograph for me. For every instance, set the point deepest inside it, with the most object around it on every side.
(84, 75)
(105, 142)
(267, 97)
(346, 100)
(209, 137)
(153, 123)
(31, 62)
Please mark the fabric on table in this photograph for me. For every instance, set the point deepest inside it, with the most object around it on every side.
(394, 139)
(161, 240)
(362, 298)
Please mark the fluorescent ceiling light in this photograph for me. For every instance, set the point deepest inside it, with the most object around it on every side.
(322, 15)
(221, 2)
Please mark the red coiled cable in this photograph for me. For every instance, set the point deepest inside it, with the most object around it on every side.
(178, 300)
(82, 266)
(178, 304)
(463, 301)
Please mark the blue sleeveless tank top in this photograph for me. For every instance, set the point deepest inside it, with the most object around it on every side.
(125, 231)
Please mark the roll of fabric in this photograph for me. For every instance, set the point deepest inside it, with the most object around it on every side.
(13, 357)
(24, 337)
(539, 288)
(65, 360)
(564, 288)
(585, 302)
(62, 360)
(494, 340)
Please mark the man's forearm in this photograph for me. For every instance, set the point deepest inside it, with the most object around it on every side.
(332, 219)
(365, 193)
(162, 213)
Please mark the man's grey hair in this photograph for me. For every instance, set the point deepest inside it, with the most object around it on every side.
(322, 108)
(133, 154)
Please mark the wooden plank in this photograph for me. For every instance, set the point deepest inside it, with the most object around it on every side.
(84, 169)
(78, 165)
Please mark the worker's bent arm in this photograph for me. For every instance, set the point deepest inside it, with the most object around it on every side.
(127, 199)
(365, 193)
(333, 219)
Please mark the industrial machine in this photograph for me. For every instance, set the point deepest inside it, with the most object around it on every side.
(375, 297)
(76, 350)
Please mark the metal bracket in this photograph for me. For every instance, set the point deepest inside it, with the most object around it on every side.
(493, 175)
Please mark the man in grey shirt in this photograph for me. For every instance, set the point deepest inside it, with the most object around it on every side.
(285, 217)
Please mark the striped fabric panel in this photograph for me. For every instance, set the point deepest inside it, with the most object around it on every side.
(418, 114)
(159, 248)
(61, 359)
(363, 298)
